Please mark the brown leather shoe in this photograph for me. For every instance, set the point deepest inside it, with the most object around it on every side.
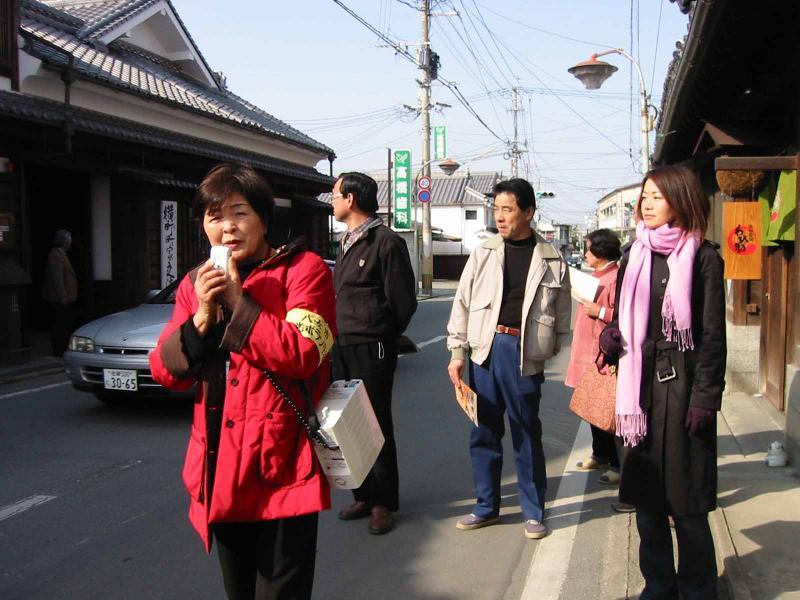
(357, 510)
(380, 521)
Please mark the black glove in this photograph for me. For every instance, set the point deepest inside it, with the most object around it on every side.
(698, 418)
(611, 344)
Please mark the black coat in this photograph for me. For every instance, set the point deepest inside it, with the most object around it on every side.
(671, 471)
(376, 293)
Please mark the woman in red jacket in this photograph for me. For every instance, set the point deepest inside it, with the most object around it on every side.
(602, 254)
(250, 469)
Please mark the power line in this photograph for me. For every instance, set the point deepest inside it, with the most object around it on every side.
(407, 55)
(546, 32)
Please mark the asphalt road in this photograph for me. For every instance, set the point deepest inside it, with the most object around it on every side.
(92, 505)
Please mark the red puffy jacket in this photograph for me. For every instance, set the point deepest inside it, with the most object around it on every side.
(266, 467)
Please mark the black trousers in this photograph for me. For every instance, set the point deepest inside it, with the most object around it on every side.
(62, 324)
(696, 578)
(268, 560)
(375, 363)
(603, 446)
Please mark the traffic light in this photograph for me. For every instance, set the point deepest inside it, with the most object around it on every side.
(545, 194)
(434, 66)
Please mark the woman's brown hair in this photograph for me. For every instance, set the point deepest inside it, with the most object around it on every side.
(226, 179)
(684, 193)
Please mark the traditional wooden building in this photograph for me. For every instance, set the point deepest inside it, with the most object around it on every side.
(732, 103)
(109, 118)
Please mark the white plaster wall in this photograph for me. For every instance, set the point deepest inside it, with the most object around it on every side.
(448, 218)
(47, 84)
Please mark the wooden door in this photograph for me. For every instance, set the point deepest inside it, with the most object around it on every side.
(774, 325)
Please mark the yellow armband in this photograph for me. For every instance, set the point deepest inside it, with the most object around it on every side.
(313, 327)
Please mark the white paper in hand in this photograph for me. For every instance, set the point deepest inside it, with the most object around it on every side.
(584, 285)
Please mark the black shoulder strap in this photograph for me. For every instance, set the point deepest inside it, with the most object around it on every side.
(309, 421)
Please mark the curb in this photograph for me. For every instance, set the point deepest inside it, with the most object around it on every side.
(13, 376)
(728, 565)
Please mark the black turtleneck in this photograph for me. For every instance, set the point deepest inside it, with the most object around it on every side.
(518, 255)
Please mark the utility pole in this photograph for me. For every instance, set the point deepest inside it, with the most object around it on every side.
(425, 103)
(516, 107)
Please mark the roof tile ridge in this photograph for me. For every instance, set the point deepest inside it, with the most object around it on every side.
(51, 16)
(261, 112)
(123, 11)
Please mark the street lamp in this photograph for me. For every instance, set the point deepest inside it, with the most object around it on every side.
(448, 166)
(592, 73)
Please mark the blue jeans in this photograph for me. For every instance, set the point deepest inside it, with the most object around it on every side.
(500, 387)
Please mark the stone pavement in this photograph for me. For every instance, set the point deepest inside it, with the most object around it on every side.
(757, 525)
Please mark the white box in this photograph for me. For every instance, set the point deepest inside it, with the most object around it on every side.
(346, 417)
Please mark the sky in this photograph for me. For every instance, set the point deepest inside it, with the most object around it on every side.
(311, 64)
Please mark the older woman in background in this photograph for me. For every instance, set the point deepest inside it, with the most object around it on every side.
(602, 252)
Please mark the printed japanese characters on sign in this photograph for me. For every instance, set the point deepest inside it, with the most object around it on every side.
(439, 142)
(313, 327)
(169, 242)
(742, 239)
(402, 189)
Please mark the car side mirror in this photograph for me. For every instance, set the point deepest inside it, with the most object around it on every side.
(152, 294)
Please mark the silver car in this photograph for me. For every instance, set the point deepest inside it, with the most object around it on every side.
(108, 356)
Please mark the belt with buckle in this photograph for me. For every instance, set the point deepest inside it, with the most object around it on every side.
(508, 330)
(665, 370)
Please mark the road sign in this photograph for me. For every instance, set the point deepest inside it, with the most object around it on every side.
(424, 183)
(439, 142)
(424, 196)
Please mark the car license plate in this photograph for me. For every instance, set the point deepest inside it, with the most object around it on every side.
(120, 379)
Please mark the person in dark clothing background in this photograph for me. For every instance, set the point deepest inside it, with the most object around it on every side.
(375, 300)
(60, 290)
(670, 321)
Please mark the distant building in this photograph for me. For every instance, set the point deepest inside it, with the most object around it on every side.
(615, 211)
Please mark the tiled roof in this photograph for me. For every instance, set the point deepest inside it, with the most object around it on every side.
(52, 37)
(99, 16)
(445, 191)
(50, 112)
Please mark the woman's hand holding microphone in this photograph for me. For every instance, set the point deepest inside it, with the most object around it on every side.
(214, 288)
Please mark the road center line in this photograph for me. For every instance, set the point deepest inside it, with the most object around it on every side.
(438, 338)
(33, 390)
(23, 505)
(551, 559)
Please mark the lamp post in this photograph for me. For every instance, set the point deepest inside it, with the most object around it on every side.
(448, 166)
(592, 73)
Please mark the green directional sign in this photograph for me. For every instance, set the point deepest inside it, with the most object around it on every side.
(439, 142)
(402, 189)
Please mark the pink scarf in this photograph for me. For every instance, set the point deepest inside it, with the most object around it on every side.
(634, 312)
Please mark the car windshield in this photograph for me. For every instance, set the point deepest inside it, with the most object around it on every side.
(167, 295)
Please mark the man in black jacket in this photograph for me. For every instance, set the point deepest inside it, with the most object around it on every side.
(375, 300)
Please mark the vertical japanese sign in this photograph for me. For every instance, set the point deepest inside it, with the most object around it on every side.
(439, 142)
(402, 189)
(741, 249)
(169, 242)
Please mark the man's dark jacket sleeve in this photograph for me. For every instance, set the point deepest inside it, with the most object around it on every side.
(399, 284)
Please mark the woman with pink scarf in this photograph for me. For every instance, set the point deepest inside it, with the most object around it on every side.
(670, 339)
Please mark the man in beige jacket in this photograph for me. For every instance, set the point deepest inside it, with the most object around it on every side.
(510, 313)
(60, 290)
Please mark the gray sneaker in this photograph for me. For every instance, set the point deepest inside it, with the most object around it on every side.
(534, 530)
(475, 522)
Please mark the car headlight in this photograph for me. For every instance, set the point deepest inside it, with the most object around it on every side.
(81, 344)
